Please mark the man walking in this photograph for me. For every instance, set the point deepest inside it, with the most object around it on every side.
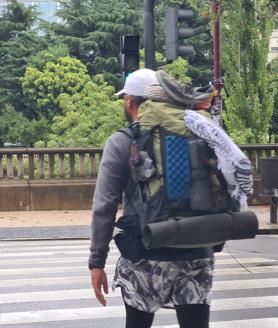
(148, 278)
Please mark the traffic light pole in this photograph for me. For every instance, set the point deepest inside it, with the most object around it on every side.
(149, 34)
(217, 70)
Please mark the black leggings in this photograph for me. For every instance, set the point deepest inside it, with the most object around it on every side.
(189, 316)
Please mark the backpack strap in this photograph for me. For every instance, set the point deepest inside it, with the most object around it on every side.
(127, 132)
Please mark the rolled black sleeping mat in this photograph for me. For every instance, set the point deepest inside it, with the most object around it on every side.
(198, 230)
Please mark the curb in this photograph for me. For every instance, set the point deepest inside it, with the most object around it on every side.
(46, 233)
(272, 231)
(67, 233)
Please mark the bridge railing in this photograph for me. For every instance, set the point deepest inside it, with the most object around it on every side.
(70, 163)
(255, 152)
(49, 163)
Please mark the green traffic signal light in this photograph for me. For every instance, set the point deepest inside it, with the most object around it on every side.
(126, 74)
(129, 54)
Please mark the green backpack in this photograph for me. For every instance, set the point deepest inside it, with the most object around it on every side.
(175, 171)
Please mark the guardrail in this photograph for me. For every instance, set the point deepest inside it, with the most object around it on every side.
(49, 163)
(69, 163)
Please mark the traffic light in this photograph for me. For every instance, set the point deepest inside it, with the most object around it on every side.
(176, 19)
(129, 54)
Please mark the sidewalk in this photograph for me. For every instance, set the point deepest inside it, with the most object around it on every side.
(24, 225)
(76, 224)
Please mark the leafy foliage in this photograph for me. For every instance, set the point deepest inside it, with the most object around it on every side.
(58, 87)
(88, 117)
(50, 54)
(274, 81)
(247, 26)
(42, 88)
(179, 70)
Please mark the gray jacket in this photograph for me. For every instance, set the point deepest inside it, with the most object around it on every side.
(112, 180)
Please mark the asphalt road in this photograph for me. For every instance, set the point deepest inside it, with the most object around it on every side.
(47, 284)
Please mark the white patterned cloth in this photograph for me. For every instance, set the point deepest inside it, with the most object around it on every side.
(234, 165)
(149, 285)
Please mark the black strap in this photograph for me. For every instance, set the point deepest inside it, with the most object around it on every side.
(127, 132)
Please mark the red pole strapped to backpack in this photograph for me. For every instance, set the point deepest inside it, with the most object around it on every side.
(217, 106)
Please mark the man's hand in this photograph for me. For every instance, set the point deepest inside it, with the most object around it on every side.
(99, 280)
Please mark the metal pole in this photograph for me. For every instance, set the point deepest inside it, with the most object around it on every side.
(217, 69)
(273, 210)
(149, 34)
(217, 72)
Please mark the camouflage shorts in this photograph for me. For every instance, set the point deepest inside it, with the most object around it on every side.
(149, 285)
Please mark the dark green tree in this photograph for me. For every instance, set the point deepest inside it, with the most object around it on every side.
(201, 61)
(246, 26)
(92, 31)
(17, 42)
(246, 30)
(50, 54)
(274, 120)
(16, 128)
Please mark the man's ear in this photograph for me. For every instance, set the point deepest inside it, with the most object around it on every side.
(129, 101)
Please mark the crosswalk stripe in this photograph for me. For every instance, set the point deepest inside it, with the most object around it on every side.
(56, 257)
(46, 296)
(218, 285)
(7, 272)
(38, 243)
(251, 269)
(73, 271)
(44, 260)
(244, 303)
(44, 281)
(118, 311)
(83, 268)
(43, 246)
(11, 255)
(217, 304)
(245, 284)
(84, 245)
(52, 248)
(254, 323)
(62, 314)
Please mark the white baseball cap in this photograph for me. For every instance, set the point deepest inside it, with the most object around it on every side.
(138, 81)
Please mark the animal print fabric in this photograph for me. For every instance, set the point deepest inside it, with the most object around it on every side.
(148, 285)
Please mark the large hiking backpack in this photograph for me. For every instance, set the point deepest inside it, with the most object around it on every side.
(181, 197)
(180, 185)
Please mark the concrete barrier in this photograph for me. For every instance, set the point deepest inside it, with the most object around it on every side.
(67, 194)
(65, 178)
(46, 195)
(14, 195)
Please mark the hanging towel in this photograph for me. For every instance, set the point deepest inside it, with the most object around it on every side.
(234, 165)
